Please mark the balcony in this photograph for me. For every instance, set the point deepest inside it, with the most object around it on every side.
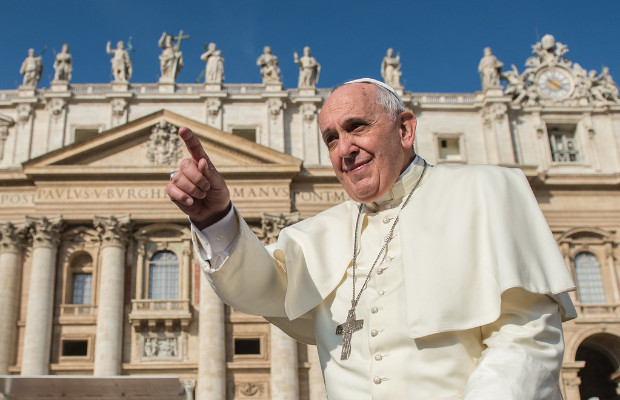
(595, 313)
(77, 314)
(149, 313)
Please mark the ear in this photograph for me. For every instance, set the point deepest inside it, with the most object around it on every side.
(408, 123)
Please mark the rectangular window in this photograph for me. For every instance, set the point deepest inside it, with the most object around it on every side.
(82, 288)
(75, 348)
(246, 133)
(449, 148)
(247, 346)
(563, 144)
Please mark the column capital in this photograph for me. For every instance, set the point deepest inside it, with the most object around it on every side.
(113, 230)
(13, 237)
(45, 231)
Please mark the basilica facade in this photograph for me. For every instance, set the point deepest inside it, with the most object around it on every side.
(100, 290)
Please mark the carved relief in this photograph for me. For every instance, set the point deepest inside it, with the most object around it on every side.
(275, 107)
(56, 107)
(495, 112)
(118, 107)
(164, 146)
(213, 107)
(252, 390)
(160, 348)
(308, 111)
(23, 113)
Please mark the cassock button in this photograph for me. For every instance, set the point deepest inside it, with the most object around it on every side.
(374, 333)
(376, 380)
(379, 271)
(374, 310)
(381, 292)
(378, 357)
(386, 220)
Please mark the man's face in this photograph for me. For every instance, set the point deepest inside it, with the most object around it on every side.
(368, 147)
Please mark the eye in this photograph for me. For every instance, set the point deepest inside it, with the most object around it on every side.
(329, 138)
(357, 126)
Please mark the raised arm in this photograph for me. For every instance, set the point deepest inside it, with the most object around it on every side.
(197, 188)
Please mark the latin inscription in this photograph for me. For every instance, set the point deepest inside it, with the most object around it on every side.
(128, 194)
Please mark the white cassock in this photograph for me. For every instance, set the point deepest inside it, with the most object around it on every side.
(467, 302)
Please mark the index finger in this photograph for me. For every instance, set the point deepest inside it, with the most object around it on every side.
(193, 144)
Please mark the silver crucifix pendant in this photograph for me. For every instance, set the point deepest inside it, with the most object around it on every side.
(346, 329)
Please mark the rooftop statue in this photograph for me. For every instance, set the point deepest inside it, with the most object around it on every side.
(63, 65)
(32, 69)
(309, 69)
(390, 69)
(490, 69)
(121, 62)
(269, 66)
(171, 57)
(214, 70)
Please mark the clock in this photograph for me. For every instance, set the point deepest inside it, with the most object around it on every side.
(555, 83)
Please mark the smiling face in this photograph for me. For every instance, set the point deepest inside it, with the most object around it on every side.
(368, 146)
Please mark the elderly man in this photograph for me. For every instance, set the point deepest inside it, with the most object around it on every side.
(431, 283)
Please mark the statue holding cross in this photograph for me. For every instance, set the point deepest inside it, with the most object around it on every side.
(171, 57)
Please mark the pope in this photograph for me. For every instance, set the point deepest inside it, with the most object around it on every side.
(432, 282)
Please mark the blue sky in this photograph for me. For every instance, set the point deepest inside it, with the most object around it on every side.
(440, 42)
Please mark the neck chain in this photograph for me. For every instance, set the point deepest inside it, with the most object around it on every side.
(351, 325)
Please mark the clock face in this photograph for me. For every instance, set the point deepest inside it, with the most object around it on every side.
(555, 83)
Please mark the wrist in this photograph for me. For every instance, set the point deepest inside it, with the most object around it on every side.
(212, 219)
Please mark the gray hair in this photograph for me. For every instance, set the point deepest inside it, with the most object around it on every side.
(386, 97)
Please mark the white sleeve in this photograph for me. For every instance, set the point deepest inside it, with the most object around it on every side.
(524, 351)
(216, 241)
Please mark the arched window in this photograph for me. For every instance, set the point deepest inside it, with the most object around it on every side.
(164, 276)
(589, 282)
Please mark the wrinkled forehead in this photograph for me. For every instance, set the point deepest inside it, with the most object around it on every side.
(357, 99)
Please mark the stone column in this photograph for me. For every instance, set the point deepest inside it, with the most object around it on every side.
(38, 333)
(212, 348)
(315, 375)
(284, 378)
(109, 341)
(12, 247)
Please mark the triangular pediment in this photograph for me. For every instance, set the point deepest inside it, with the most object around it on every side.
(150, 145)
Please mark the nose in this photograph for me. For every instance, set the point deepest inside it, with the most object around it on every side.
(347, 147)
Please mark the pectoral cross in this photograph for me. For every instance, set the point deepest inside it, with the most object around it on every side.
(346, 329)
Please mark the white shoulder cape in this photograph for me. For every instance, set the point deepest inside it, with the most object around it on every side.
(469, 233)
